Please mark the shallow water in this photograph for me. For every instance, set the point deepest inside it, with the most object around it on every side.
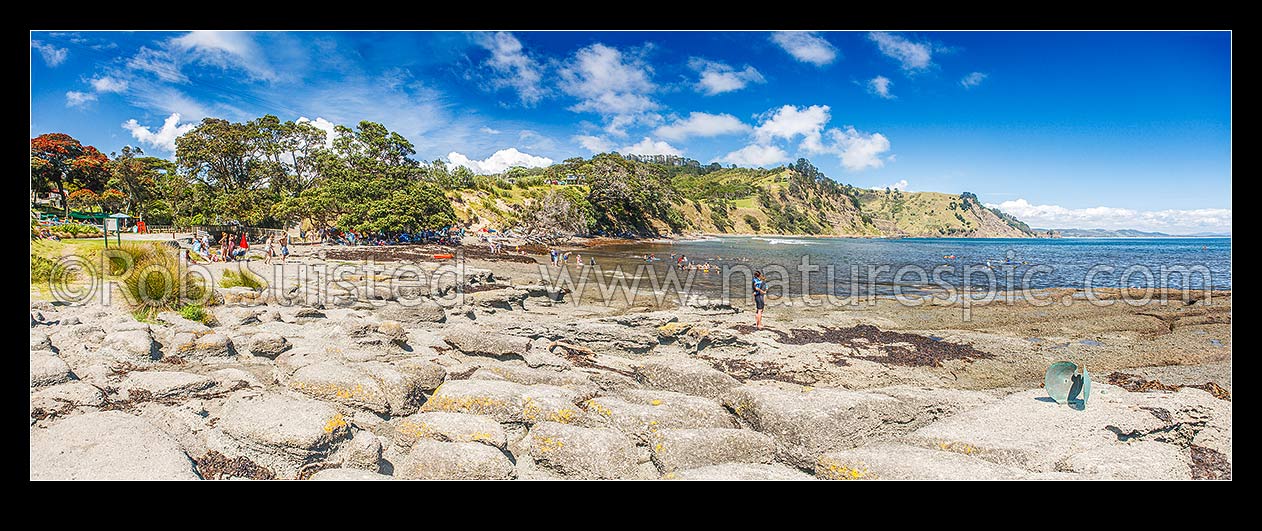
(848, 265)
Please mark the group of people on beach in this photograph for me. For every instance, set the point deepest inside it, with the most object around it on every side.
(560, 258)
(233, 247)
(271, 248)
(351, 237)
(684, 264)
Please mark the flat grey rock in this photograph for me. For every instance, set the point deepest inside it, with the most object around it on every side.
(109, 445)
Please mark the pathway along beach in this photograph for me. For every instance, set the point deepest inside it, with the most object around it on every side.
(485, 374)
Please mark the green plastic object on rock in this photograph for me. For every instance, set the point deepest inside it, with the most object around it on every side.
(1068, 384)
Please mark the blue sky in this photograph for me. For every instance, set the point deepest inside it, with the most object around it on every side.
(1083, 129)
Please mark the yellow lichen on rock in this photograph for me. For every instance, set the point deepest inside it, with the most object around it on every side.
(334, 423)
(957, 447)
(594, 406)
(475, 404)
(529, 410)
(548, 444)
(414, 430)
(563, 416)
(831, 469)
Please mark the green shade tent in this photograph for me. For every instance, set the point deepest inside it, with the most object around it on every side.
(89, 216)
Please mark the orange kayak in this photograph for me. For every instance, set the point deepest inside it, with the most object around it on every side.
(444, 256)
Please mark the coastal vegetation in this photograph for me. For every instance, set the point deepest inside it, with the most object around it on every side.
(272, 173)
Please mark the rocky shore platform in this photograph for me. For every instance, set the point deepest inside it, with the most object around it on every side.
(493, 375)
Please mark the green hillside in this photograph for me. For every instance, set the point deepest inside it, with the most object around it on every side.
(630, 197)
(935, 214)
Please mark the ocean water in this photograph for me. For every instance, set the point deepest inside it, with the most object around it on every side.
(877, 265)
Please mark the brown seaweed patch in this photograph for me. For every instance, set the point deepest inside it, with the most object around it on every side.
(1137, 384)
(755, 370)
(900, 348)
(215, 465)
(1208, 463)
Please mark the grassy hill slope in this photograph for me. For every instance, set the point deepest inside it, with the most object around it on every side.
(935, 214)
(793, 199)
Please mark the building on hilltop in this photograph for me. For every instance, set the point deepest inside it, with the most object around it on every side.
(668, 160)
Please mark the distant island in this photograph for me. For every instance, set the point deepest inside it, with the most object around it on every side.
(1124, 233)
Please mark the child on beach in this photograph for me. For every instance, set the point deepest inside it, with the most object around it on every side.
(284, 247)
(760, 291)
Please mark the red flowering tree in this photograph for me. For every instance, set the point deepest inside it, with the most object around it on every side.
(112, 201)
(58, 159)
(84, 199)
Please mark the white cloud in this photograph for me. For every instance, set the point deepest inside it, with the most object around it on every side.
(226, 49)
(166, 100)
(900, 185)
(650, 147)
(512, 67)
(499, 161)
(489, 131)
(717, 78)
(79, 99)
(163, 138)
(329, 128)
(880, 85)
(1102, 217)
(972, 80)
(858, 150)
(789, 121)
(702, 124)
(806, 46)
(52, 55)
(158, 62)
(755, 155)
(913, 56)
(109, 84)
(608, 82)
(612, 83)
(594, 144)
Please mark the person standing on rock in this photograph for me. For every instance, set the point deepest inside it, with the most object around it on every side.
(760, 292)
(223, 246)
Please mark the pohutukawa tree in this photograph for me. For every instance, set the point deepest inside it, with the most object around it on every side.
(58, 160)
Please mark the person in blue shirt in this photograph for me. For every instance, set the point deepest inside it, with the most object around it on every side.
(760, 292)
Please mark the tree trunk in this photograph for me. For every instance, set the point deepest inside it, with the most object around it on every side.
(65, 202)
